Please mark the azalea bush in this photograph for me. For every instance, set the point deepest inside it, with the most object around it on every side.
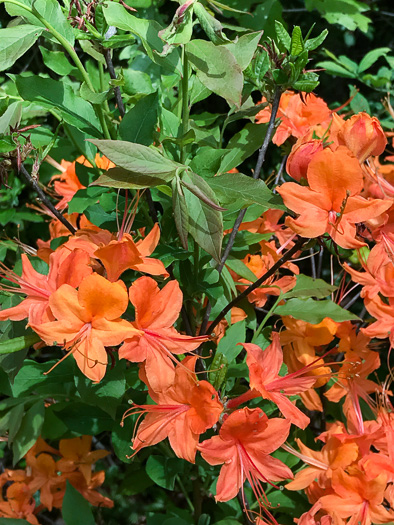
(197, 263)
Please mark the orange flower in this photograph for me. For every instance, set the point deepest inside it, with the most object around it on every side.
(363, 135)
(331, 204)
(182, 412)
(264, 367)
(19, 503)
(244, 444)
(77, 456)
(298, 112)
(64, 268)
(125, 254)
(87, 321)
(358, 498)
(384, 313)
(155, 338)
(300, 156)
(259, 265)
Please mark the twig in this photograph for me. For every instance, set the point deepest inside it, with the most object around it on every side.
(288, 255)
(244, 505)
(34, 184)
(112, 74)
(241, 215)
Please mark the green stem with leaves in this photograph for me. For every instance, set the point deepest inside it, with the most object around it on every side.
(71, 51)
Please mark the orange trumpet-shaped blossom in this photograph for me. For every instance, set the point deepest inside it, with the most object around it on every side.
(244, 444)
(363, 136)
(331, 204)
(19, 503)
(124, 254)
(155, 339)
(321, 464)
(259, 265)
(384, 314)
(352, 382)
(78, 456)
(87, 321)
(300, 156)
(264, 367)
(379, 273)
(64, 268)
(358, 498)
(186, 409)
(300, 341)
(297, 113)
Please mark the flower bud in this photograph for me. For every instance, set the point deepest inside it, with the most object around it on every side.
(363, 135)
(300, 157)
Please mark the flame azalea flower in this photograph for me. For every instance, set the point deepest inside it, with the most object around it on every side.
(264, 367)
(300, 340)
(244, 444)
(352, 383)
(125, 254)
(87, 321)
(363, 135)
(155, 340)
(182, 412)
(64, 268)
(378, 275)
(67, 184)
(77, 455)
(298, 112)
(88, 491)
(308, 518)
(45, 478)
(259, 265)
(331, 203)
(19, 503)
(321, 464)
(358, 497)
(384, 313)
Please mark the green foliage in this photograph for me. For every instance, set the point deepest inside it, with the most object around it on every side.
(76, 510)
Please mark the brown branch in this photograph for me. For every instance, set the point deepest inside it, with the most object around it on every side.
(43, 198)
(241, 215)
(287, 256)
(112, 74)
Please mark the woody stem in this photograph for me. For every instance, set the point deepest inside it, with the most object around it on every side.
(287, 256)
(43, 198)
(241, 214)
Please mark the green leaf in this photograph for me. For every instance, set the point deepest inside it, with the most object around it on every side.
(50, 11)
(236, 187)
(15, 41)
(181, 27)
(308, 287)
(84, 198)
(217, 69)
(57, 61)
(75, 509)
(93, 97)
(181, 215)
(297, 43)
(18, 343)
(283, 36)
(7, 145)
(29, 431)
(242, 145)
(371, 57)
(205, 223)
(240, 268)
(348, 13)
(140, 122)
(306, 82)
(147, 30)
(228, 345)
(31, 377)
(86, 419)
(313, 311)
(313, 43)
(53, 94)
(212, 27)
(137, 165)
(245, 47)
(164, 470)
(335, 69)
